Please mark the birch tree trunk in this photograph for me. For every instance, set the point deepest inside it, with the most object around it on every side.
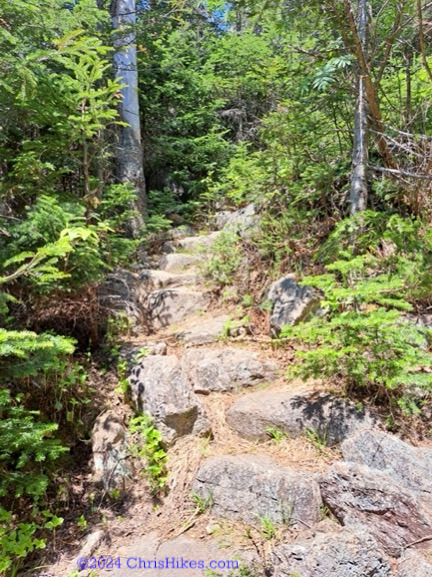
(129, 156)
(360, 155)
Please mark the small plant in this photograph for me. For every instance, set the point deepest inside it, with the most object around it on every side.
(231, 325)
(325, 512)
(18, 540)
(211, 573)
(248, 301)
(318, 440)
(123, 381)
(149, 446)
(115, 494)
(267, 305)
(226, 258)
(203, 503)
(82, 523)
(117, 326)
(268, 528)
(276, 434)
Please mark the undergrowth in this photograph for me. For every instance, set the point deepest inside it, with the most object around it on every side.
(365, 336)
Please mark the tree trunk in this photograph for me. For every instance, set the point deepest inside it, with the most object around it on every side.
(129, 156)
(360, 155)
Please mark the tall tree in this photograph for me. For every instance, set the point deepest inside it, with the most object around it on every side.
(129, 157)
(360, 156)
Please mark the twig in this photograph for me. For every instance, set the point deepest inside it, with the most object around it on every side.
(401, 172)
(422, 540)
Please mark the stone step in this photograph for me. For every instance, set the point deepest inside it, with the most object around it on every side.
(203, 331)
(250, 487)
(294, 413)
(167, 306)
(226, 370)
(158, 279)
(199, 243)
(178, 262)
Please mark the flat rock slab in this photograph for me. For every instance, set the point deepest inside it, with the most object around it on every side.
(158, 279)
(225, 370)
(408, 465)
(199, 243)
(360, 496)
(247, 487)
(203, 332)
(332, 418)
(172, 305)
(198, 555)
(412, 564)
(161, 388)
(177, 262)
(291, 303)
(342, 553)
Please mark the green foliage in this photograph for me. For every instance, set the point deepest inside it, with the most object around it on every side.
(363, 339)
(123, 381)
(276, 434)
(268, 528)
(226, 257)
(24, 353)
(24, 442)
(149, 446)
(203, 504)
(27, 447)
(20, 539)
(319, 441)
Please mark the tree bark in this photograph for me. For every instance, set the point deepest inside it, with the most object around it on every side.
(129, 156)
(360, 155)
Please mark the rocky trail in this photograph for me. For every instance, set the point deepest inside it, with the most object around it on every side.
(288, 478)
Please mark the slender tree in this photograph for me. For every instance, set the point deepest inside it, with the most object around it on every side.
(360, 156)
(129, 157)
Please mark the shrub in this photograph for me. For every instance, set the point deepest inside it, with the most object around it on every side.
(225, 259)
(149, 446)
(364, 338)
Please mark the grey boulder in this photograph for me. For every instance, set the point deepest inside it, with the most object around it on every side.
(201, 243)
(291, 303)
(332, 418)
(243, 221)
(177, 262)
(111, 466)
(408, 465)
(160, 388)
(124, 294)
(247, 487)
(358, 495)
(342, 553)
(225, 370)
(172, 305)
